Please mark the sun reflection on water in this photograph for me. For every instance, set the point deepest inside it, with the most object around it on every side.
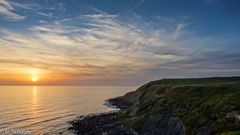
(34, 91)
(34, 103)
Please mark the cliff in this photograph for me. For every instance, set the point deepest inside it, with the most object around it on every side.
(201, 106)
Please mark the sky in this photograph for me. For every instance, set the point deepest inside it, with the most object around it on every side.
(117, 42)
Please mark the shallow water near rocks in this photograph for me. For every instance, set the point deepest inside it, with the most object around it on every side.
(48, 109)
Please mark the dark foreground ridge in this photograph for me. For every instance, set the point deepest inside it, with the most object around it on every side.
(197, 106)
(105, 123)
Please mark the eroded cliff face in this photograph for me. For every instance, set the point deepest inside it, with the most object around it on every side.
(184, 106)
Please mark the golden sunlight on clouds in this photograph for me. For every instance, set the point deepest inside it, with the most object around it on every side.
(69, 54)
(36, 73)
(19, 74)
(34, 79)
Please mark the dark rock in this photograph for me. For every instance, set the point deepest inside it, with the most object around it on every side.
(233, 116)
(118, 102)
(204, 131)
(102, 124)
(163, 125)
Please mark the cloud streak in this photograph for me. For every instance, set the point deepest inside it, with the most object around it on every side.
(101, 46)
(7, 9)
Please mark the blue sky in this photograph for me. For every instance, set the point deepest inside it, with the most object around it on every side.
(120, 42)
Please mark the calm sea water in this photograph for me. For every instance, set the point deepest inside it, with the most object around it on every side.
(47, 109)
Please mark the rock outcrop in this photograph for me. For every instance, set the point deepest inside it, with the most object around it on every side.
(202, 106)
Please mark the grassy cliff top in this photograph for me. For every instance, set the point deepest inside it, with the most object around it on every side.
(199, 103)
(198, 81)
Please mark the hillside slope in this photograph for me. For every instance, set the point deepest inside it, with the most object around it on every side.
(185, 106)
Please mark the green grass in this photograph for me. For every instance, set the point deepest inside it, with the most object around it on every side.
(231, 133)
(199, 81)
(197, 102)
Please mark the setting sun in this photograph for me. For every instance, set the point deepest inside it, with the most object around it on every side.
(34, 79)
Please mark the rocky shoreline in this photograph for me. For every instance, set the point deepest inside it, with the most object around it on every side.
(104, 123)
(170, 107)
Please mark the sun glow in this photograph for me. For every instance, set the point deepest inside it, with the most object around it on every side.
(34, 79)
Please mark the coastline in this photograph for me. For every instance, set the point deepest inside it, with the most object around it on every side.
(103, 123)
(170, 107)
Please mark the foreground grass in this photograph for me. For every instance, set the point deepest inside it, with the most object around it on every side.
(198, 103)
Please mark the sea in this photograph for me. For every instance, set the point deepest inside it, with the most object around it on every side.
(47, 110)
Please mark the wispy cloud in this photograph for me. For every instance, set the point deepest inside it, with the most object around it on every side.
(102, 47)
(139, 3)
(8, 8)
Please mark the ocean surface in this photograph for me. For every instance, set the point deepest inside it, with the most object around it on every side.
(48, 109)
